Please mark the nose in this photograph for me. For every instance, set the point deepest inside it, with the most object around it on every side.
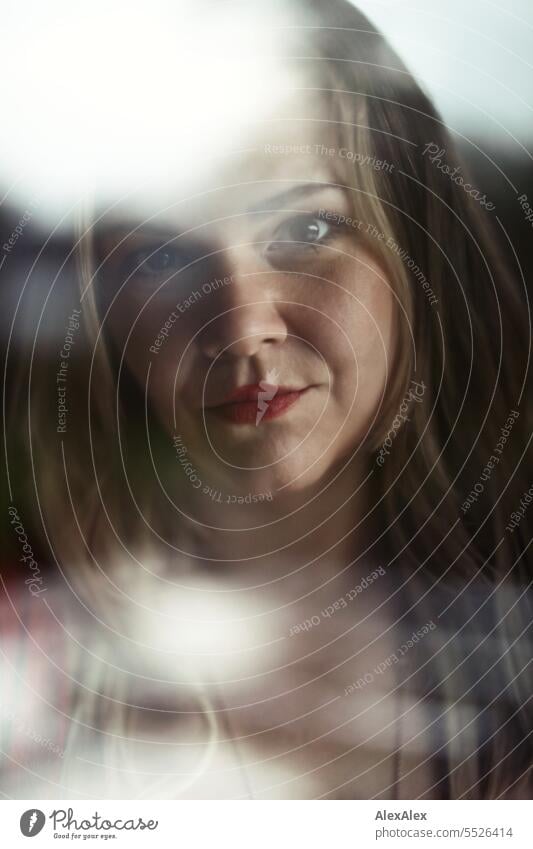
(248, 316)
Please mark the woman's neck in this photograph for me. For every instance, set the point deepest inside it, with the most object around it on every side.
(326, 526)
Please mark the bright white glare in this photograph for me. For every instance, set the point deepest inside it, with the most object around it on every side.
(102, 97)
(200, 635)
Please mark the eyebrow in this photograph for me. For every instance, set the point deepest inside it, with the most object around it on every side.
(278, 201)
(119, 230)
(296, 193)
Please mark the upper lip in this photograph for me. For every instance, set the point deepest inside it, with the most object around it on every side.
(252, 392)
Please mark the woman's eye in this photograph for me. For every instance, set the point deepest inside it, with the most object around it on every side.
(300, 231)
(152, 261)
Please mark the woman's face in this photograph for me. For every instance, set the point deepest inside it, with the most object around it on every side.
(259, 326)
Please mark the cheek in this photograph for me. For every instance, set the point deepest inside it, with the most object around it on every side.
(355, 323)
(141, 329)
(370, 326)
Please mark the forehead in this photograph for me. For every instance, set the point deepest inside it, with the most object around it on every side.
(297, 144)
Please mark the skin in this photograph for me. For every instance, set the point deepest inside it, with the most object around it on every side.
(318, 315)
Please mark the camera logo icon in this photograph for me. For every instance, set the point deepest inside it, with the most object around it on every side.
(32, 822)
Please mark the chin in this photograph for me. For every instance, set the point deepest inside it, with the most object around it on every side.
(291, 478)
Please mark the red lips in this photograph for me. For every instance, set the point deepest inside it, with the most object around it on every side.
(257, 402)
(255, 390)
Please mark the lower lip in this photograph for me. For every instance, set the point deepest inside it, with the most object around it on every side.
(246, 412)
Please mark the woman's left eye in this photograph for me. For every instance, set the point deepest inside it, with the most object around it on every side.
(305, 229)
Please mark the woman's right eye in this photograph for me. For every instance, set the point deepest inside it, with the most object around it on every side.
(154, 261)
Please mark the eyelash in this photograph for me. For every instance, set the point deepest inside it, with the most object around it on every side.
(332, 230)
(132, 265)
